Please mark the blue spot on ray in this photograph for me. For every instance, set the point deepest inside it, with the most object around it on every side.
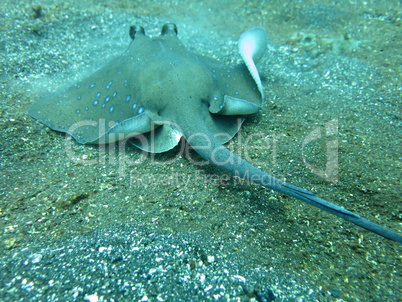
(111, 109)
(95, 102)
(128, 97)
(92, 85)
(107, 99)
(108, 85)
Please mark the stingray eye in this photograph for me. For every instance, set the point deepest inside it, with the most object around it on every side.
(169, 28)
(136, 29)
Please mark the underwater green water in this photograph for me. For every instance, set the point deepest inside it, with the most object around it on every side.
(331, 68)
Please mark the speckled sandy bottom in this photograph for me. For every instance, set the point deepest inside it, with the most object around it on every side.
(327, 64)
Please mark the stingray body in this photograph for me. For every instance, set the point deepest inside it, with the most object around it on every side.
(159, 92)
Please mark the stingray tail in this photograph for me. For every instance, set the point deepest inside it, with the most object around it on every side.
(314, 200)
(226, 160)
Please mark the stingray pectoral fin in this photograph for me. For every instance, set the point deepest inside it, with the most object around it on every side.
(234, 106)
(252, 45)
(159, 140)
(133, 126)
(235, 92)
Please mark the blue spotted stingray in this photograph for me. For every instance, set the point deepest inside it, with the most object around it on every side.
(158, 92)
